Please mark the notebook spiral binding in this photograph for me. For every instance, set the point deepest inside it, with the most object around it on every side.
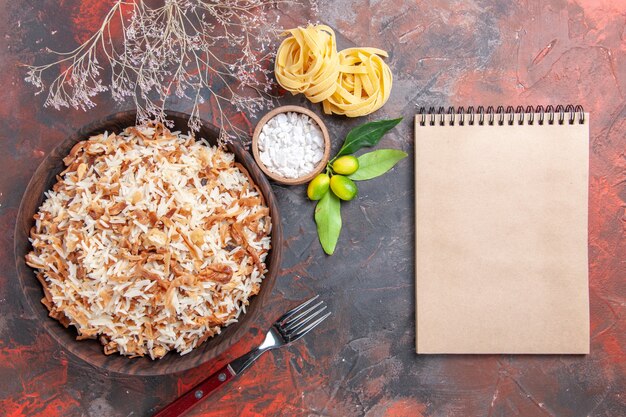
(503, 115)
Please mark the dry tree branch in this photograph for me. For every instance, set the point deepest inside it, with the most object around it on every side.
(170, 49)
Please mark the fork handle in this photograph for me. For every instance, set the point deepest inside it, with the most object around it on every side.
(198, 393)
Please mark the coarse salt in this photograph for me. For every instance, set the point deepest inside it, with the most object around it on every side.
(291, 145)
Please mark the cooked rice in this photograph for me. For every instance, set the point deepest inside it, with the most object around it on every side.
(150, 241)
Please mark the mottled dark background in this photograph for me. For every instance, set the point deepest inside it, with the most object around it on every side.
(362, 361)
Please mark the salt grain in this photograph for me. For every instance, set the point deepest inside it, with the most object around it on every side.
(291, 145)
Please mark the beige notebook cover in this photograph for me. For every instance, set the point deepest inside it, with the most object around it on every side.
(501, 237)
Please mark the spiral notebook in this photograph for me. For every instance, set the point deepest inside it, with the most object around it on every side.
(501, 230)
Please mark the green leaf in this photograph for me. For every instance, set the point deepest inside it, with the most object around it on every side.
(328, 220)
(375, 164)
(368, 134)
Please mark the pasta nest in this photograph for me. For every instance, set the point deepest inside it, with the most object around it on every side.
(353, 82)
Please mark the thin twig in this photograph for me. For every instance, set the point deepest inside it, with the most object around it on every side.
(167, 50)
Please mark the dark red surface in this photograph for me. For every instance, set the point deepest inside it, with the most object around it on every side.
(361, 362)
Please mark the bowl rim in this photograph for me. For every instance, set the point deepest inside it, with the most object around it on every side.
(277, 177)
(172, 362)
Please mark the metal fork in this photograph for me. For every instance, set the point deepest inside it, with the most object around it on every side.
(290, 327)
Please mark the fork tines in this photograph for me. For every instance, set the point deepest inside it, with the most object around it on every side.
(302, 319)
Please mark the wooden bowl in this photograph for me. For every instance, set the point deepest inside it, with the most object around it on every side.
(91, 351)
(277, 177)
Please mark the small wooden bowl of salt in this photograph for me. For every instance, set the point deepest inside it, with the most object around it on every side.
(291, 145)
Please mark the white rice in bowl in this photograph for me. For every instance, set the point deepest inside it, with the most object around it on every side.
(150, 241)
